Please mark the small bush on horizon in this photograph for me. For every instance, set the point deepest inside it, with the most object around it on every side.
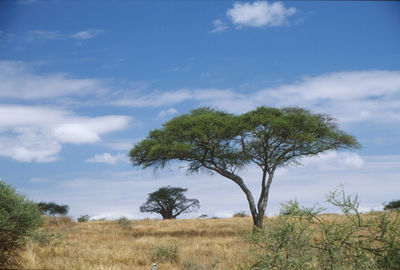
(300, 238)
(240, 214)
(83, 218)
(124, 222)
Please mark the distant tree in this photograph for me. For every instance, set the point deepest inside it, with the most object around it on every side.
(392, 205)
(222, 143)
(169, 202)
(51, 208)
(18, 218)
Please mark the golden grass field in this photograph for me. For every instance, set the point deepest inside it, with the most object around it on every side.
(194, 244)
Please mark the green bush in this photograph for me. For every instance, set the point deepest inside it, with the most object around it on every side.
(19, 217)
(301, 238)
(83, 218)
(124, 222)
(165, 253)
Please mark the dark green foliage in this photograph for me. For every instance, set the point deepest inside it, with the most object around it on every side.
(19, 217)
(223, 143)
(51, 208)
(303, 239)
(392, 205)
(169, 202)
(83, 218)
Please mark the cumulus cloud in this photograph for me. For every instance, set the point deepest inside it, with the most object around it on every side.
(57, 35)
(19, 80)
(87, 34)
(155, 99)
(44, 35)
(36, 133)
(109, 158)
(259, 14)
(166, 113)
(219, 26)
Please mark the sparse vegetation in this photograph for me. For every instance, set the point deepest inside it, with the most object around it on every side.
(301, 238)
(83, 218)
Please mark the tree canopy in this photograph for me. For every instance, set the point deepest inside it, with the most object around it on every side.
(392, 205)
(169, 202)
(51, 208)
(223, 143)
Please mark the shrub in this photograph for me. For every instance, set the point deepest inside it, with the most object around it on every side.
(392, 205)
(303, 239)
(165, 253)
(44, 238)
(83, 218)
(124, 222)
(240, 214)
(19, 217)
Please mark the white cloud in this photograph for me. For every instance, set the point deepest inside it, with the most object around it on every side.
(87, 34)
(57, 35)
(36, 133)
(155, 99)
(219, 26)
(166, 113)
(45, 35)
(109, 158)
(260, 13)
(18, 80)
(349, 96)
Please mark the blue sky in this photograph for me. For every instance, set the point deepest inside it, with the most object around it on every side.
(82, 81)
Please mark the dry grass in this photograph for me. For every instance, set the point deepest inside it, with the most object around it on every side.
(195, 244)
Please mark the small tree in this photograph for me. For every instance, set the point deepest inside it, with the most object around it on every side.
(222, 143)
(18, 218)
(169, 202)
(392, 205)
(53, 209)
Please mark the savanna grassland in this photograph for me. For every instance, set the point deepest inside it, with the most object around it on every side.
(298, 239)
(136, 244)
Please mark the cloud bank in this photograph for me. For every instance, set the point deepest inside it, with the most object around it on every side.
(36, 133)
(350, 96)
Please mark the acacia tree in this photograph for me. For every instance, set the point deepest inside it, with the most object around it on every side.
(51, 208)
(169, 202)
(222, 143)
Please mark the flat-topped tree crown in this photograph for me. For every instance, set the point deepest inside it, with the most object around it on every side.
(223, 143)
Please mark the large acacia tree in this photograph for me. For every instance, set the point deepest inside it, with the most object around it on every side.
(223, 143)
